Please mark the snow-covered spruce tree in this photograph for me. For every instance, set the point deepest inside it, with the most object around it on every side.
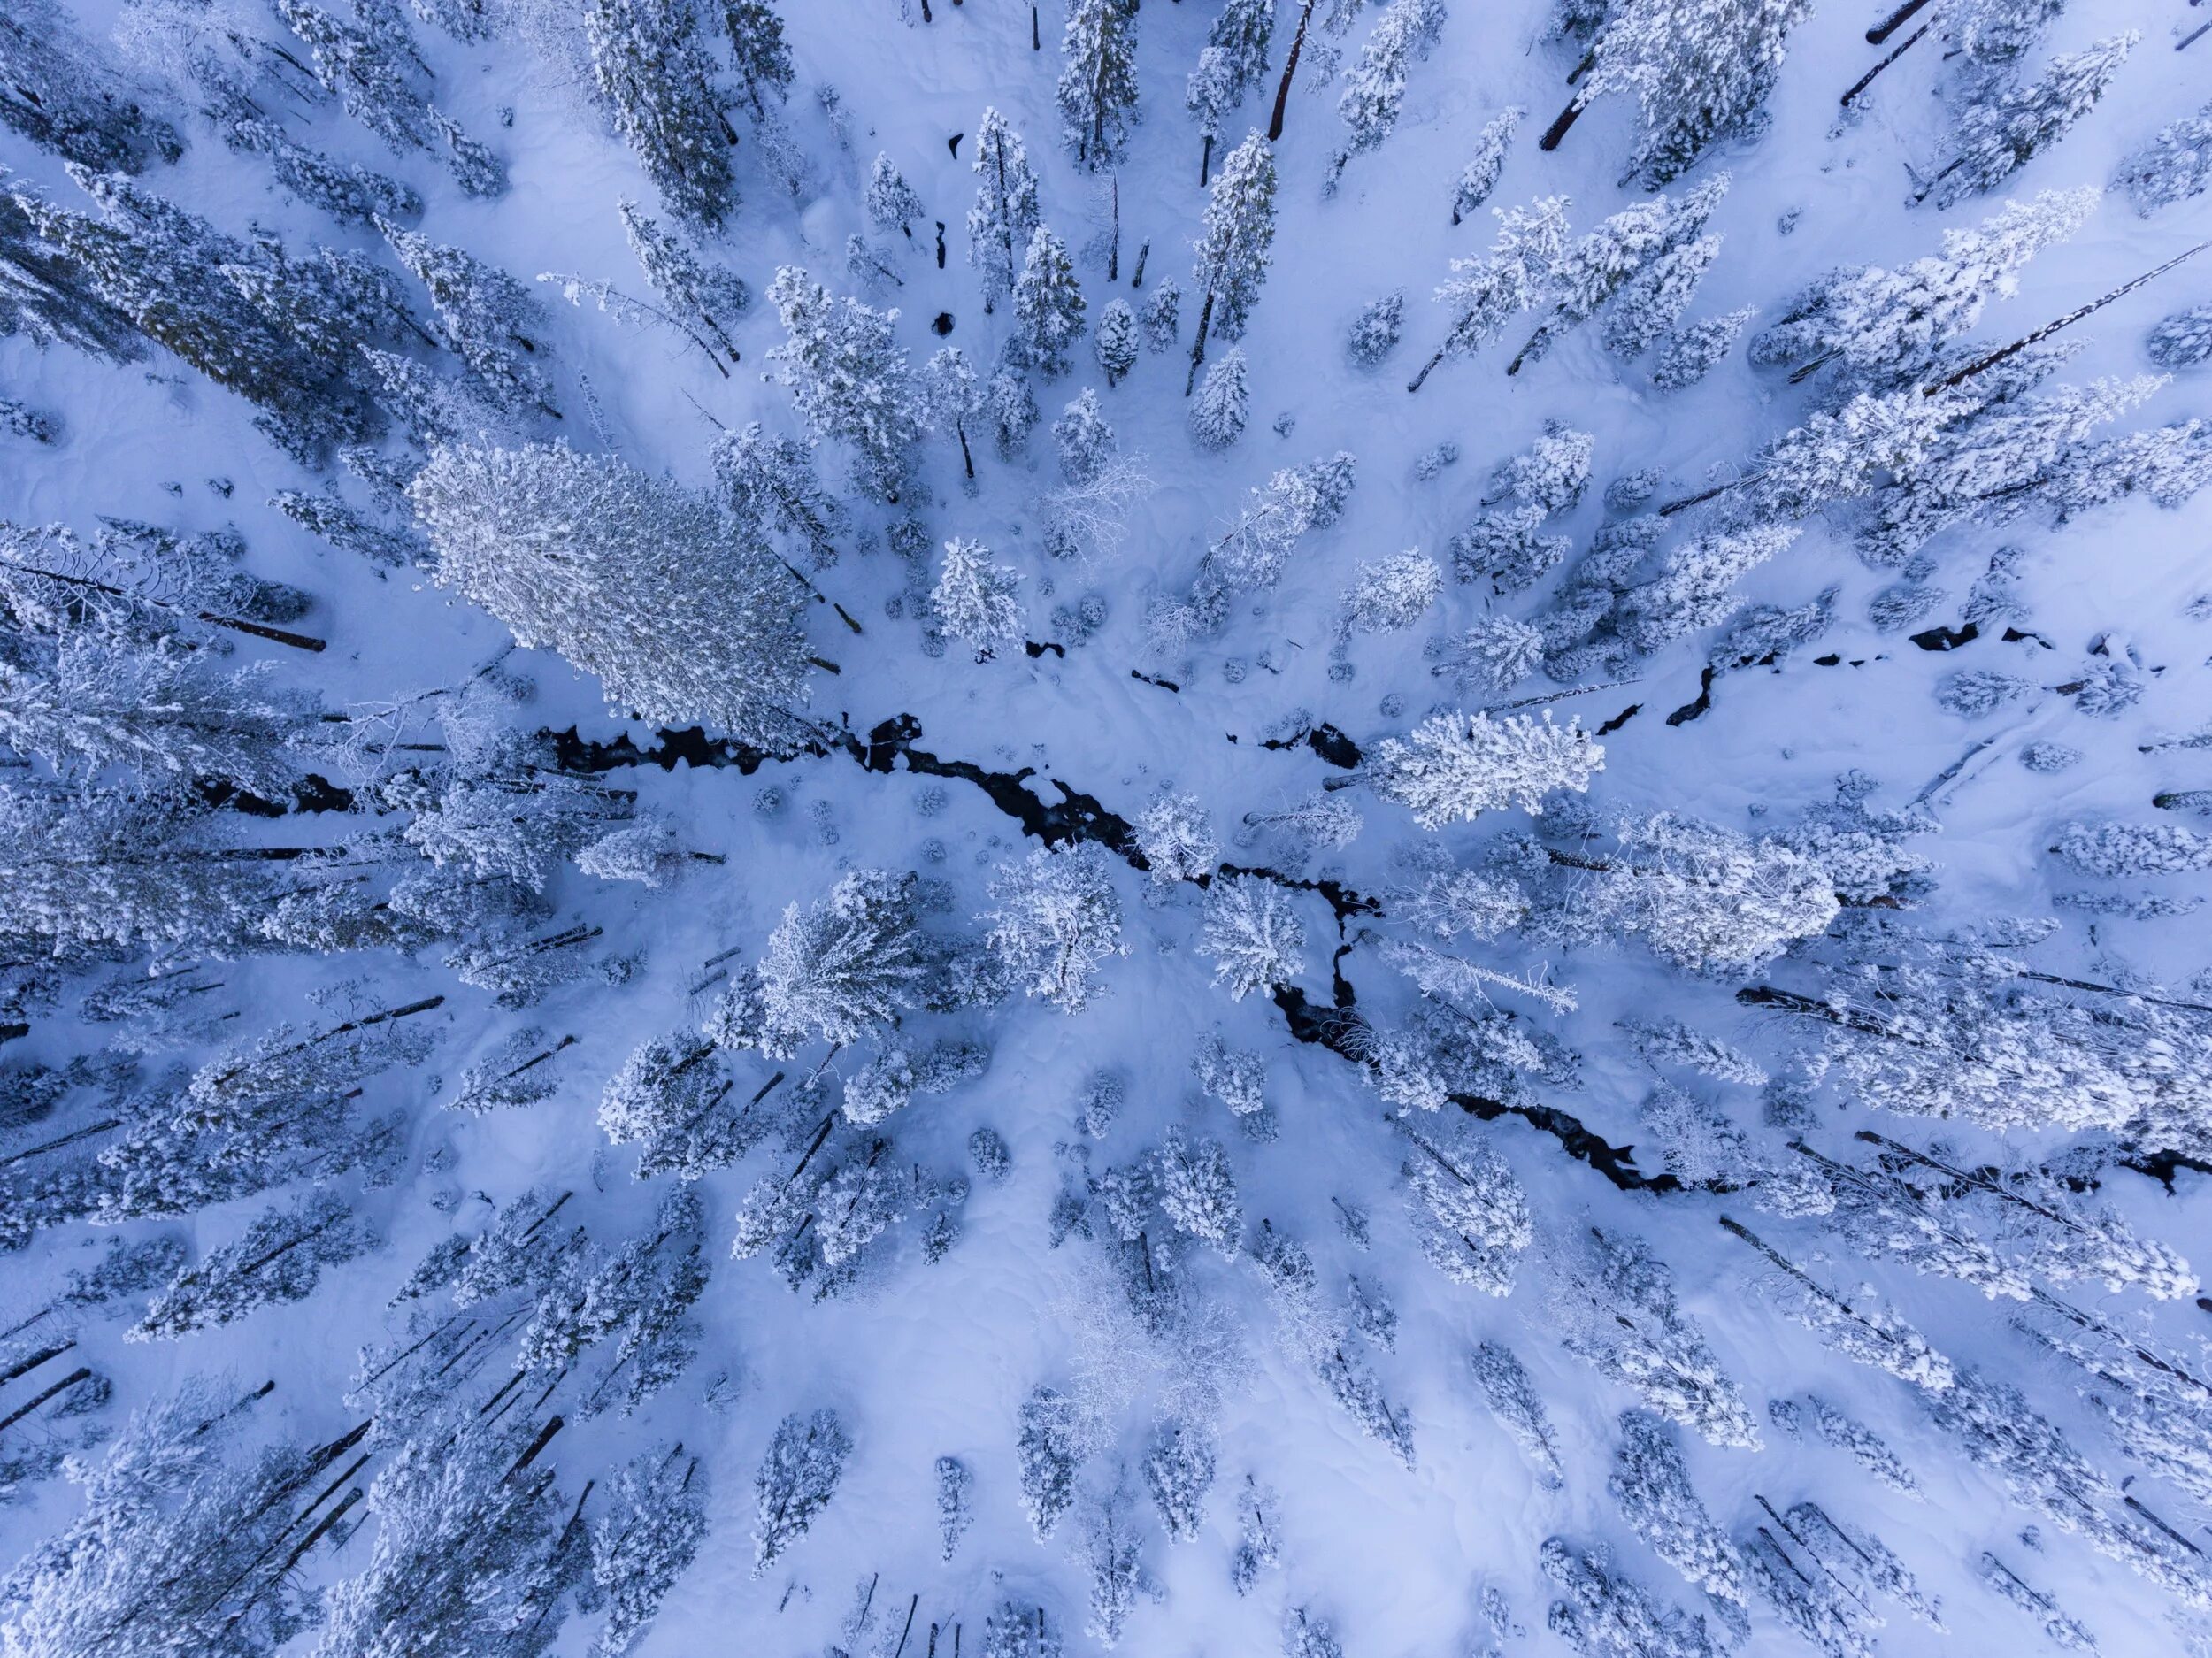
(974, 600)
(1701, 71)
(1253, 934)
(1375, 92)
(1252, 554)
(1197, 1192)
(1375, 332)
(768, 484)
(1616, 1310)
(1014, 1630)
(797, 1477)
(1233, 64)
(1706, 898)
(2182, 340)
(1487, 294)
(850, 379)
(1454, 767)
(1218, 413)
(651, 66)
(1110, 1550)
(1115, 341)
(279, 1258)
(1512, 1396)
(1651, 1484)
(1175, 834)
(1690, 353)
(488, 320)
(1603, 1614)
(1097, 93)
(63, 98)
(1481, 175)
(1631, 267)
(704, 297)
(1471, 1214)
(1887, 328)
(644, 1538)
(839, 972)
(673, 1099)
(955, 1511)
(890, 202)
(1999, 132)
(1048, 1449)
(1234, 246)
(1006, 213)
(1257, 1550)
(475, 1546)
(1058, 919)
(684, 619)
(954, 398)
(1178, 1472)
(1047, 303)
(1391, 594)
(758, 52)
(2174, 166)
(1694, 587)
(1163, 316)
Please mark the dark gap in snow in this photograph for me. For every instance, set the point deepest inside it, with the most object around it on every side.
(1947, 638)
(1325, 740)
(1689, 711)
(1620, 720)
(1036, 649)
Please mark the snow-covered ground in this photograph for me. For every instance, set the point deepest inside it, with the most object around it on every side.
(923, 1359)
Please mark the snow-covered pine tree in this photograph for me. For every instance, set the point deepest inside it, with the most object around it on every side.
(1375, 92)
(1218, 413)
(1701, 71)
(489, 320)
(1469, 1212)
(1603, 1614)
(1097, 93)
(1233, 64)
(768, 484)
(706, 298)
(1481, 175)
(674, 1100)
(1694, 587)
(1253, 934)
(1178, 1472)
(1454, 767)
(1687, 355)
(1484, 295)
(1058, 919)
(2001, 132)
(1514, 1400)
(1651, 1484)
(1175, 834)
(1048, 1449)
(2174, 166)
(1197, 1192)
(59, 95)
(849, 378)
(644, 1538)
(1391, 594)
(954, 397)
(1162, 315)
(1048, 303)
(890, 202)
(758, 52)
(974, 600)
(684, 618)
(841, 971)
(1006, 213)
(650, 61)
(797, 1477)
(1233, 249)
(279, 1258)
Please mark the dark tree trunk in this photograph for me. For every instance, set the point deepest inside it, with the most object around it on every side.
(2068, 320)
(1205, 159)
(1290, 68)
(1895, 21)
(1867, 79)
(1557, 130)
(1426, 369)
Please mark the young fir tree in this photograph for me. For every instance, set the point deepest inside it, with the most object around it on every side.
(1514, 1400)
(1097, 93)
(1651, 1485)
(2000, 134)
(1375, 93)
(890, 201)
(768, 484)
(954, 398)
(1176, 835)
(1391, 594)
(1115, 341)
(1163, 316)
(1048, 1450)
(644, 1540)
(683, 616)
(1233, 248)
(797, 1477)
(1471, 1214)
(1223, 404)
(1006, 213)
(675, 1100)
(955, 1511)
(1701, 71)
(651, 63)
(1178, 1472)
(1603, 1614)
(974, 599)
(62, 98)
(1481, 175)
(1058, 919)
(1047, 304)
(850, 379)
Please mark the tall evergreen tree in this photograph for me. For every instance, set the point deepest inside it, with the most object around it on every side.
(1006, 213)
(1233, 250)
(1047, 305)
(652, 68)
(850, 379)
(1097, 93)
